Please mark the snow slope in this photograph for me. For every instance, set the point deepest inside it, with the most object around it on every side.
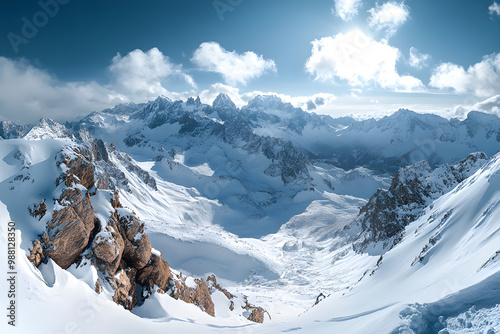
(263, 197)
(446, 263)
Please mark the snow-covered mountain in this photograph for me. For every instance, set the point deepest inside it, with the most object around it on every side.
(131, 210)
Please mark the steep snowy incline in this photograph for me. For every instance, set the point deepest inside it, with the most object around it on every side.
(449, 256)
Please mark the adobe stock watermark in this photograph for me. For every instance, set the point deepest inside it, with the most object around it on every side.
(29, 29)
(223, 6)
(11, 274)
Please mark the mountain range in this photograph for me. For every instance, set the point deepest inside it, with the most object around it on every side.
(177, 215)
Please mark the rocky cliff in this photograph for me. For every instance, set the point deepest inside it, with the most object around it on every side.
(89, 229)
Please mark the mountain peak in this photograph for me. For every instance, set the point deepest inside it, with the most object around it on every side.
(48, 128)
(266, 102)
(481, 117)
(163, 98)
(223, 101)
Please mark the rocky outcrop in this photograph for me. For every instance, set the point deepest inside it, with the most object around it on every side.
(119, 248)
(80, 170)
(137, 245)
(108, 249)
(38, 210)
(387, 213)
(100, 151)
(157, 272)
(255, 313)
(36, 254)
(81, 204)
(71, 227)
(125, 288)
(197, 294)
(66, 237)
(212, 284)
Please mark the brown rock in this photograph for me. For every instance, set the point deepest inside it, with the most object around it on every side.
(212, 284)
(107, 248)
(257, 315)
(98, 286)
(200, 296)
(67, 237)
(99, 150)
(38, 210)
(82, 168)
(115, 201)
(81, 204)
(156, 272)
(70, 230)
(131, 226)
(256, 312)
(137, 245)
(125, 289)
(138, 252)
(36, 255)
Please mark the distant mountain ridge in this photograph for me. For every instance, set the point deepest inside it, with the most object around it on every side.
(394, 141)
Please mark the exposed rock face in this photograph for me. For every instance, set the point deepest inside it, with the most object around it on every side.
(199, 296)
(100, 152)
(256, 313)
(11, 130)
(67, 237)
(36, 255)
(125, 289)
(81, 204)
(115, 201)
(388, 212)
(156, 272)
(119, 249)
(212, 284)
(107, 250)
(71, 227)
(81, 168)
(137, 245)
(38, 210)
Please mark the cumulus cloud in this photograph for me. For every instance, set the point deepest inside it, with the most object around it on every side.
(235, 68)
(494, 9)
(140, 75)
(390, 16)
(28, 93)
(481, 79)
(418, 59)
(359, 60)
(347, 9)
(490, 106)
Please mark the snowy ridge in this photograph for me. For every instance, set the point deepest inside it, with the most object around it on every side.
(388, 212)
(267, 198)
(452, 242)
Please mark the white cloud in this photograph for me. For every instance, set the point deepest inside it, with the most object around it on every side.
(140, 75)
(490, 106)
(347, 9)
(360, 60)
(418, 59)
(28, 93)
(390, 16)
(235, 68)
(494, 8)
(481, 79)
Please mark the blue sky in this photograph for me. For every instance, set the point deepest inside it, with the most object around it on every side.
(355, 57)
